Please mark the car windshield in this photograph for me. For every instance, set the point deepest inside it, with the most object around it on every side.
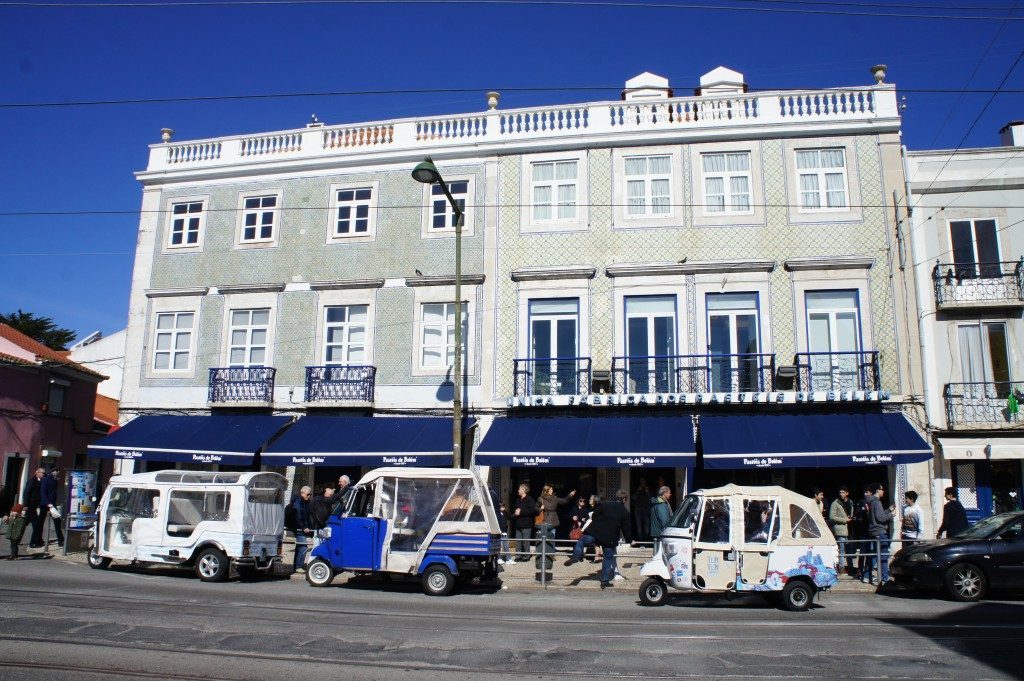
(686, 513)
(983, 528)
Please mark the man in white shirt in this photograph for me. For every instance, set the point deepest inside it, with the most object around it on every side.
(911, 527)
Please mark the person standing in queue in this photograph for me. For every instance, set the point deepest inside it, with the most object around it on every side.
(549, 503)
(523, 511)
(661, 511)
(840, 515)
(609, 522)
(300, 526)
(33, 505)
(954, 517)
(642, 511)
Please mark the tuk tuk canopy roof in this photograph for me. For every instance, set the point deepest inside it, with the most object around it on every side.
(179, 478)
(396, 472)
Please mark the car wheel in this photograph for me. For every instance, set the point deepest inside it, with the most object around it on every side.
(319, 573)
(97, 562)
(212, 565)
(653, 592)
(797, 595)
(966, 583)
(438, 580)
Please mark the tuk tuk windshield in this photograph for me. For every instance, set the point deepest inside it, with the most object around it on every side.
(415, 504)
(686, 514)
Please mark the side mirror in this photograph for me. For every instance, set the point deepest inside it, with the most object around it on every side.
(1012, 535)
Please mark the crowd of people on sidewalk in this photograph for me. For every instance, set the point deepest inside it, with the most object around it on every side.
(41, 502)
(306, 515)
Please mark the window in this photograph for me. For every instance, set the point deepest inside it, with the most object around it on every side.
(56, 395)
(821, 175)
(353, 210)
(186, 224)
(437, 334)
(248, 337)
(186, 510)
(648, 185)
(173, 341)
(714, 525)
(345, 334)
(726, 182)
(984, 359)
(259, 213)
(442, 216)
(553, 186)
(760, 521)
(733, 342)
(804, 526)
(975, 248)
(650, 344)
(833, 321)
(554, 343)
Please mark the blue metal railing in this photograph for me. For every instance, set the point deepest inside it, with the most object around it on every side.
(335, 383)
(552, 376)
(242, 384)
(742, 372)
(837, 370)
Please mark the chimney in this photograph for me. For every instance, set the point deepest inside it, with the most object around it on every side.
(721, 81)
(1012, 134)
(647, 86)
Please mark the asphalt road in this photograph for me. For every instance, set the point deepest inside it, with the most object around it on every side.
(61, 620)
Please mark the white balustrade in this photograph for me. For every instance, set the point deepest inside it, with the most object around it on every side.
(557, 119)
(271, 144)
(451, 128)
(827, 104)
(358, 136)
(193, 152)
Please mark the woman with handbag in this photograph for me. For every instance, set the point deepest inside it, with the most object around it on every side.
(523, 511)
(548, 506)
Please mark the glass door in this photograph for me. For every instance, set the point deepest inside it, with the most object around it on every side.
(554, 343)
(984, 362)
(833, 340)
(650, 344)
(975, 248)
(733, 346)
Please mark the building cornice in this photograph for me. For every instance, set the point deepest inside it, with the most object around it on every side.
(339, 284)
(174, 292)
(838, 262)
(444, 280)
(250, 288)
(553, 273)
(688, 267)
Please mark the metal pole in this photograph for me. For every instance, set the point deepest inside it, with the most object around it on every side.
(544, 558)
(457, 369)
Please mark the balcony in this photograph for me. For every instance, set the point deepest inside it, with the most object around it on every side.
(748, 372)
(242, 386)
(552, 376)
(827, 371)
(332, 385)
(987, 284)
(979, 406)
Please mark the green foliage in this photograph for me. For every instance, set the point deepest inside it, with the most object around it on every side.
(42, 329)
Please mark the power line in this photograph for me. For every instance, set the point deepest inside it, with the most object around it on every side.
(548, 3)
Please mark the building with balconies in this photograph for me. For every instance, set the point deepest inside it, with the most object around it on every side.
(968, 250)
(644, 281)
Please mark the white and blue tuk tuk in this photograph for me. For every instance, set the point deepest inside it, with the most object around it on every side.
(435, 523)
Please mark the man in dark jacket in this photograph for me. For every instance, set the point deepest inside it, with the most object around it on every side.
(878, 530)
(954, 517)
(48, 488)
(33, 497)
(609, 521)
(302, 528)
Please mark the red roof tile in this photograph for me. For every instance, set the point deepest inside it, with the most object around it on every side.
(42, 352)
(106, 410)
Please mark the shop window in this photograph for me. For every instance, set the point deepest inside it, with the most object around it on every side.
(804, 526)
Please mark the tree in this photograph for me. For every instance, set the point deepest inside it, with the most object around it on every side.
(42, 329)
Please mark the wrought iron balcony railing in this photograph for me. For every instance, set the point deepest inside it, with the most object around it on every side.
(984, 405)
(242, 384)
(351, 383)
(985, 284)
(552, 376)
(837, 370)
(745, 372)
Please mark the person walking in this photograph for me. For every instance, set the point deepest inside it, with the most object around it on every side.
(954, 517)
(840, 515)
(878, 530)
(300, 526)
(33, 497)
(609, 522)
(642, 511)
(661, 511)
(910, 525)
(548, 503)
(524, 509)
(16, 523)
(50, 508)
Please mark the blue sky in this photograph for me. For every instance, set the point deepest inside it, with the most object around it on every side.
(77, 268)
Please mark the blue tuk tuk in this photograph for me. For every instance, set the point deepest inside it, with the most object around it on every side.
(435, 523)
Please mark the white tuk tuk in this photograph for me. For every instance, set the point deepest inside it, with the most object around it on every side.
(765, 540)
(203, 520)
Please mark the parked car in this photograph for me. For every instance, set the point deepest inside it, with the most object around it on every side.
(987, 555)
(203, 520)
(765, 540)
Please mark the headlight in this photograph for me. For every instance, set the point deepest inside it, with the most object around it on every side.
(920, 558)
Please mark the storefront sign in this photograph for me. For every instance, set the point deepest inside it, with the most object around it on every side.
(81, 500)
(662, 399)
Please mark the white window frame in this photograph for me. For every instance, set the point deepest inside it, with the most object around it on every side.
(621, 216)
(428, 231)
(727, 176)
(425, 295)
(821, 174)
(333, 236)
(853, 211)
(174, 332)
(243, 212)
(581, 219)
(346, 328)
(169, 247)
(268, 346)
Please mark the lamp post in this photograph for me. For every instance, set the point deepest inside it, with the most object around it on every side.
(427, 173)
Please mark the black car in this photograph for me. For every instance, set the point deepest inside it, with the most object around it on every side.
(987, 555)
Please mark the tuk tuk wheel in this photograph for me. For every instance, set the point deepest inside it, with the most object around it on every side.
(438, 580)
(653, 592)
(319, 573)
(95, 561)
(797, 595)
(212, 565)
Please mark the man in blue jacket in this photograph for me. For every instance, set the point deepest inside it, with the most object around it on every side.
(48, 487)
(661, 511)
(302, 526)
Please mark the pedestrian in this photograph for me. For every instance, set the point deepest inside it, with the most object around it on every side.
(910, 527)
(16, 522)
(819, 500)
(548, 504)
(661, 511)
(503, 525)
(840, 515)
(320, 508)
(299, 521)
(878, 530)
(585, 541)
(642, 511)
(859, 530)
(610, 522)
(577, 516)
(954, 517)
(524, 509)
(50, 506)
(33, 497)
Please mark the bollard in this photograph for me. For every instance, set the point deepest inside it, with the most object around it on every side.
(543, 562)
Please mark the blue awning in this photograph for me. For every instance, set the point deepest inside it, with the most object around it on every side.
(364, 441)
(581, 442)
(810, 440)
(232, 439)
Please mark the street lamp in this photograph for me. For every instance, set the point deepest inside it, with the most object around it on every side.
(426, 172)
